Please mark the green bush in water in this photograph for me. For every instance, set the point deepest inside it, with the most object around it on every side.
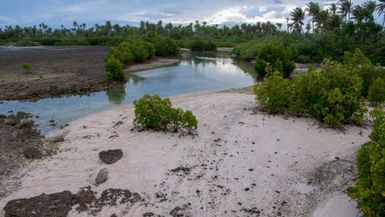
(114, 69)
(153, 112)
(369, 188)
(276, 56)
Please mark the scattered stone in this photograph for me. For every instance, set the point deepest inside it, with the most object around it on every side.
(180, 211)
(32, 153)
(111, 156)
(45, 205)
(184, 170)
(102, 176)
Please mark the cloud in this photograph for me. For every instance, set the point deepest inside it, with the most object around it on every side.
(57, 12)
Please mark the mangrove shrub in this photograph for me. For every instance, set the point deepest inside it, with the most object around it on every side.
(276, 56)
(114, 69)
(369, 188)
(153, 112)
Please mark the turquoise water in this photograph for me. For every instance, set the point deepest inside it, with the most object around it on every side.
(199, 73)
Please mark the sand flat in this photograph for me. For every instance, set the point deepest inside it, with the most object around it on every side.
(241, 163)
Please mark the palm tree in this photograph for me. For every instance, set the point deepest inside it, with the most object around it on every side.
(381, 10)
(345, 8)
(359, 13)
(313, 10)
(323, 18)
(370, 7)
(297, 16)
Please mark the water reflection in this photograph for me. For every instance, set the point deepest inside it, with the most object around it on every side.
(116, 93)
(197, 73)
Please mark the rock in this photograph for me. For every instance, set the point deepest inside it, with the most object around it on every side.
(102, 176)
(111, 156)
(45, 205)
(10, 121)
(32, 153)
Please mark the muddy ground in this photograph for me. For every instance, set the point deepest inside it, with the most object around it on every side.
(19, 142)
(58, 71)
(54, 71)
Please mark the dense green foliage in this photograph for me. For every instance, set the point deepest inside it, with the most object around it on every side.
(376, 92)
(114, 69)
(200, 45)
(369, 189)
(125, 53)
(332, 94)
(156, 113)
(275, 56)
(273, 94)
(166, 47)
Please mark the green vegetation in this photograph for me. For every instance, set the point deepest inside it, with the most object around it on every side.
(166, 47)
(333, 94)
(369, 189)
(276, 56)
(26, 67)
(273, 94)
(201, 45)
(153, 112)
(376, 92)
(114, 69)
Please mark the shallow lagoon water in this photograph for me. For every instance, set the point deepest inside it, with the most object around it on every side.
(196, 74)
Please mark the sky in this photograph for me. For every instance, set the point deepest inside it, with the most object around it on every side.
(228, 12)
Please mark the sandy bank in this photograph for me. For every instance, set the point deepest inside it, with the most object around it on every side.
(156, 62)
(242, 163)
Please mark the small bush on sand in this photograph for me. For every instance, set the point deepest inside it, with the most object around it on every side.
(276, 56)
(331, 94)
(26, 67)
(376, 93)
(273, 94)
(114, 69)
(369, 189)
(153, 112)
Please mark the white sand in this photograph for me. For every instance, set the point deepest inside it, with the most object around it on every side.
(281, 155)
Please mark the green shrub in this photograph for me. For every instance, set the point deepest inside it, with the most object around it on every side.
(137, 49)
(153, 112)
(188, 120)
(276, 56)
(150, 49)
(26, 67)
(200, 45)
(114, 69)
(273, 93)
(376, 93)
(166, 47)
(369, 189)
(331, 94)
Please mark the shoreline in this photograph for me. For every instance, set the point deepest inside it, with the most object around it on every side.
(59, 71)
(238, 146)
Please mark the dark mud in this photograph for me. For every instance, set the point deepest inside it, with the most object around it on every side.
(54, 71)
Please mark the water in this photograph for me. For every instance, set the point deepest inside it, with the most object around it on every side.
(199, 73)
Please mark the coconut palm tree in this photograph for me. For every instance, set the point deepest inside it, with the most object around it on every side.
(381, 10)
(345, 8)
(323, 18)
(313, 9)
(297, 16)
(370, 7)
